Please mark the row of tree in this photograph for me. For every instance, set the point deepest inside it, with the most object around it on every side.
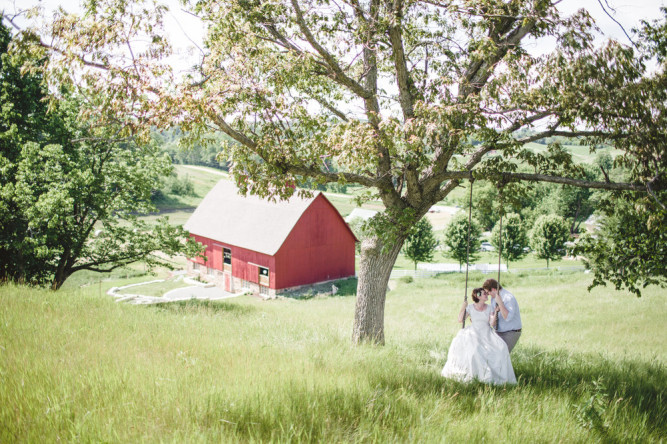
(547, 239)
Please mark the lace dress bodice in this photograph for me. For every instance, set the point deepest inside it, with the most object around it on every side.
(479, 319)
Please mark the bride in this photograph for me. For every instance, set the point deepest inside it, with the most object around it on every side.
(477, 352)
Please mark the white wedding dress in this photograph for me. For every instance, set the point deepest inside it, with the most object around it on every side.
(477, 352)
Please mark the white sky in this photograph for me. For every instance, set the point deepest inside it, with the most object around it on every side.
(184, 29)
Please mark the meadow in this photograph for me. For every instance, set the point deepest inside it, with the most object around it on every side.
(76, 366)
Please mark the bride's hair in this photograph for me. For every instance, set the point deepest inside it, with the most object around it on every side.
(476, 293)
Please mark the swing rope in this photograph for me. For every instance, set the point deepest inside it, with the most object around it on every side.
(500, 239)
(465, 292)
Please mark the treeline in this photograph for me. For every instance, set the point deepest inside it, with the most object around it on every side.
(169, 141)
(525, 132)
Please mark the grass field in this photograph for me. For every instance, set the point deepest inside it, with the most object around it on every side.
(75, 366)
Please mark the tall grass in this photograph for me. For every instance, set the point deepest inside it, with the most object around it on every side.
(75, 366)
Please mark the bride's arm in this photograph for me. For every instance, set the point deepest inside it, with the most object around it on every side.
(463, 313)
(493, 319)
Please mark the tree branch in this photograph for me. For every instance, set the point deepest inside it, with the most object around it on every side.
(331, 62)
(398, 52)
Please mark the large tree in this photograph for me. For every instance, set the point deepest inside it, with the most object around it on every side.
(407, 99)
(70, 188)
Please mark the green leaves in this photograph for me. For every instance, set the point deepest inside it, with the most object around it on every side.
(70, 189)
(421, 243)
(514, 238)
(457, 239)
(548, 237)
(630, 248)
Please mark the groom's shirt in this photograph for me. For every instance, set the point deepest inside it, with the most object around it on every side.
(513, 321)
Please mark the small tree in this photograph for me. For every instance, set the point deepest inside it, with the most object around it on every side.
(421, 243)
(457, 238)
(514, 238)
(548, 237)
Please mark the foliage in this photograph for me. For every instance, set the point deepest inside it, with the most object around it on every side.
(421, 243)
(548, 237)
(171, 184)
(630, 247)
(23, 117)
(574, 203)
(172, 141)
(75, 192)
(462, 246)
(514, 238)
(406, 99)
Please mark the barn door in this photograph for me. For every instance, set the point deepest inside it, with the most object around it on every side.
(263, 281)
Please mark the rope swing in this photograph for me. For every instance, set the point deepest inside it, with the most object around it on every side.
(500, 237)
(500, 241)
(465, 292)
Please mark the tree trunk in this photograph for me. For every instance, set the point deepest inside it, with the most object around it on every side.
(374, 270)
(63, 271)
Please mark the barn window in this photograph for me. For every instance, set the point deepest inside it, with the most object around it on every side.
(195, 266)
(227, 259)
(263, 276)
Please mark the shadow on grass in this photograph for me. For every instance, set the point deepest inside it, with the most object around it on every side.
(203, 307)
(345, 287)
(597, 387)
(627, 401)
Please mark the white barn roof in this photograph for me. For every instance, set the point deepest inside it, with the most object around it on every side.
(362, 213)
(247, 222)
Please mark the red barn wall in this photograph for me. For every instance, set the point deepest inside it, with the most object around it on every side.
(244, 262)
(319, 248)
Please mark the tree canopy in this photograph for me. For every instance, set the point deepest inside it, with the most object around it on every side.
(548, 237)
(462, 240)
(404, 98)
(421, 243)
(72, 189)
(514, 238)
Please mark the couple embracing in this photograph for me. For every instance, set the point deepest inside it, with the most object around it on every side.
(478, 352)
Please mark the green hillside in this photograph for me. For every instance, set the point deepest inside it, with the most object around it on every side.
(76, 366)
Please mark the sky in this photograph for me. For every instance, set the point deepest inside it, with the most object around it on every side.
(187, 32)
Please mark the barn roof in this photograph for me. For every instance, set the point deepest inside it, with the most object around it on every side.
(246, 221)
(362, 213)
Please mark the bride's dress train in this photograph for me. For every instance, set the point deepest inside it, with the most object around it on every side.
(477, 352)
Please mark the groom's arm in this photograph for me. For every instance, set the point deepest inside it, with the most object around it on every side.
(504, 311)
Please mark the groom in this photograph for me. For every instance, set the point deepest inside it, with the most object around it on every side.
(509, 318)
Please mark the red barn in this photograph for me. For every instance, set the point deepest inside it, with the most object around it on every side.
(269, 247)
